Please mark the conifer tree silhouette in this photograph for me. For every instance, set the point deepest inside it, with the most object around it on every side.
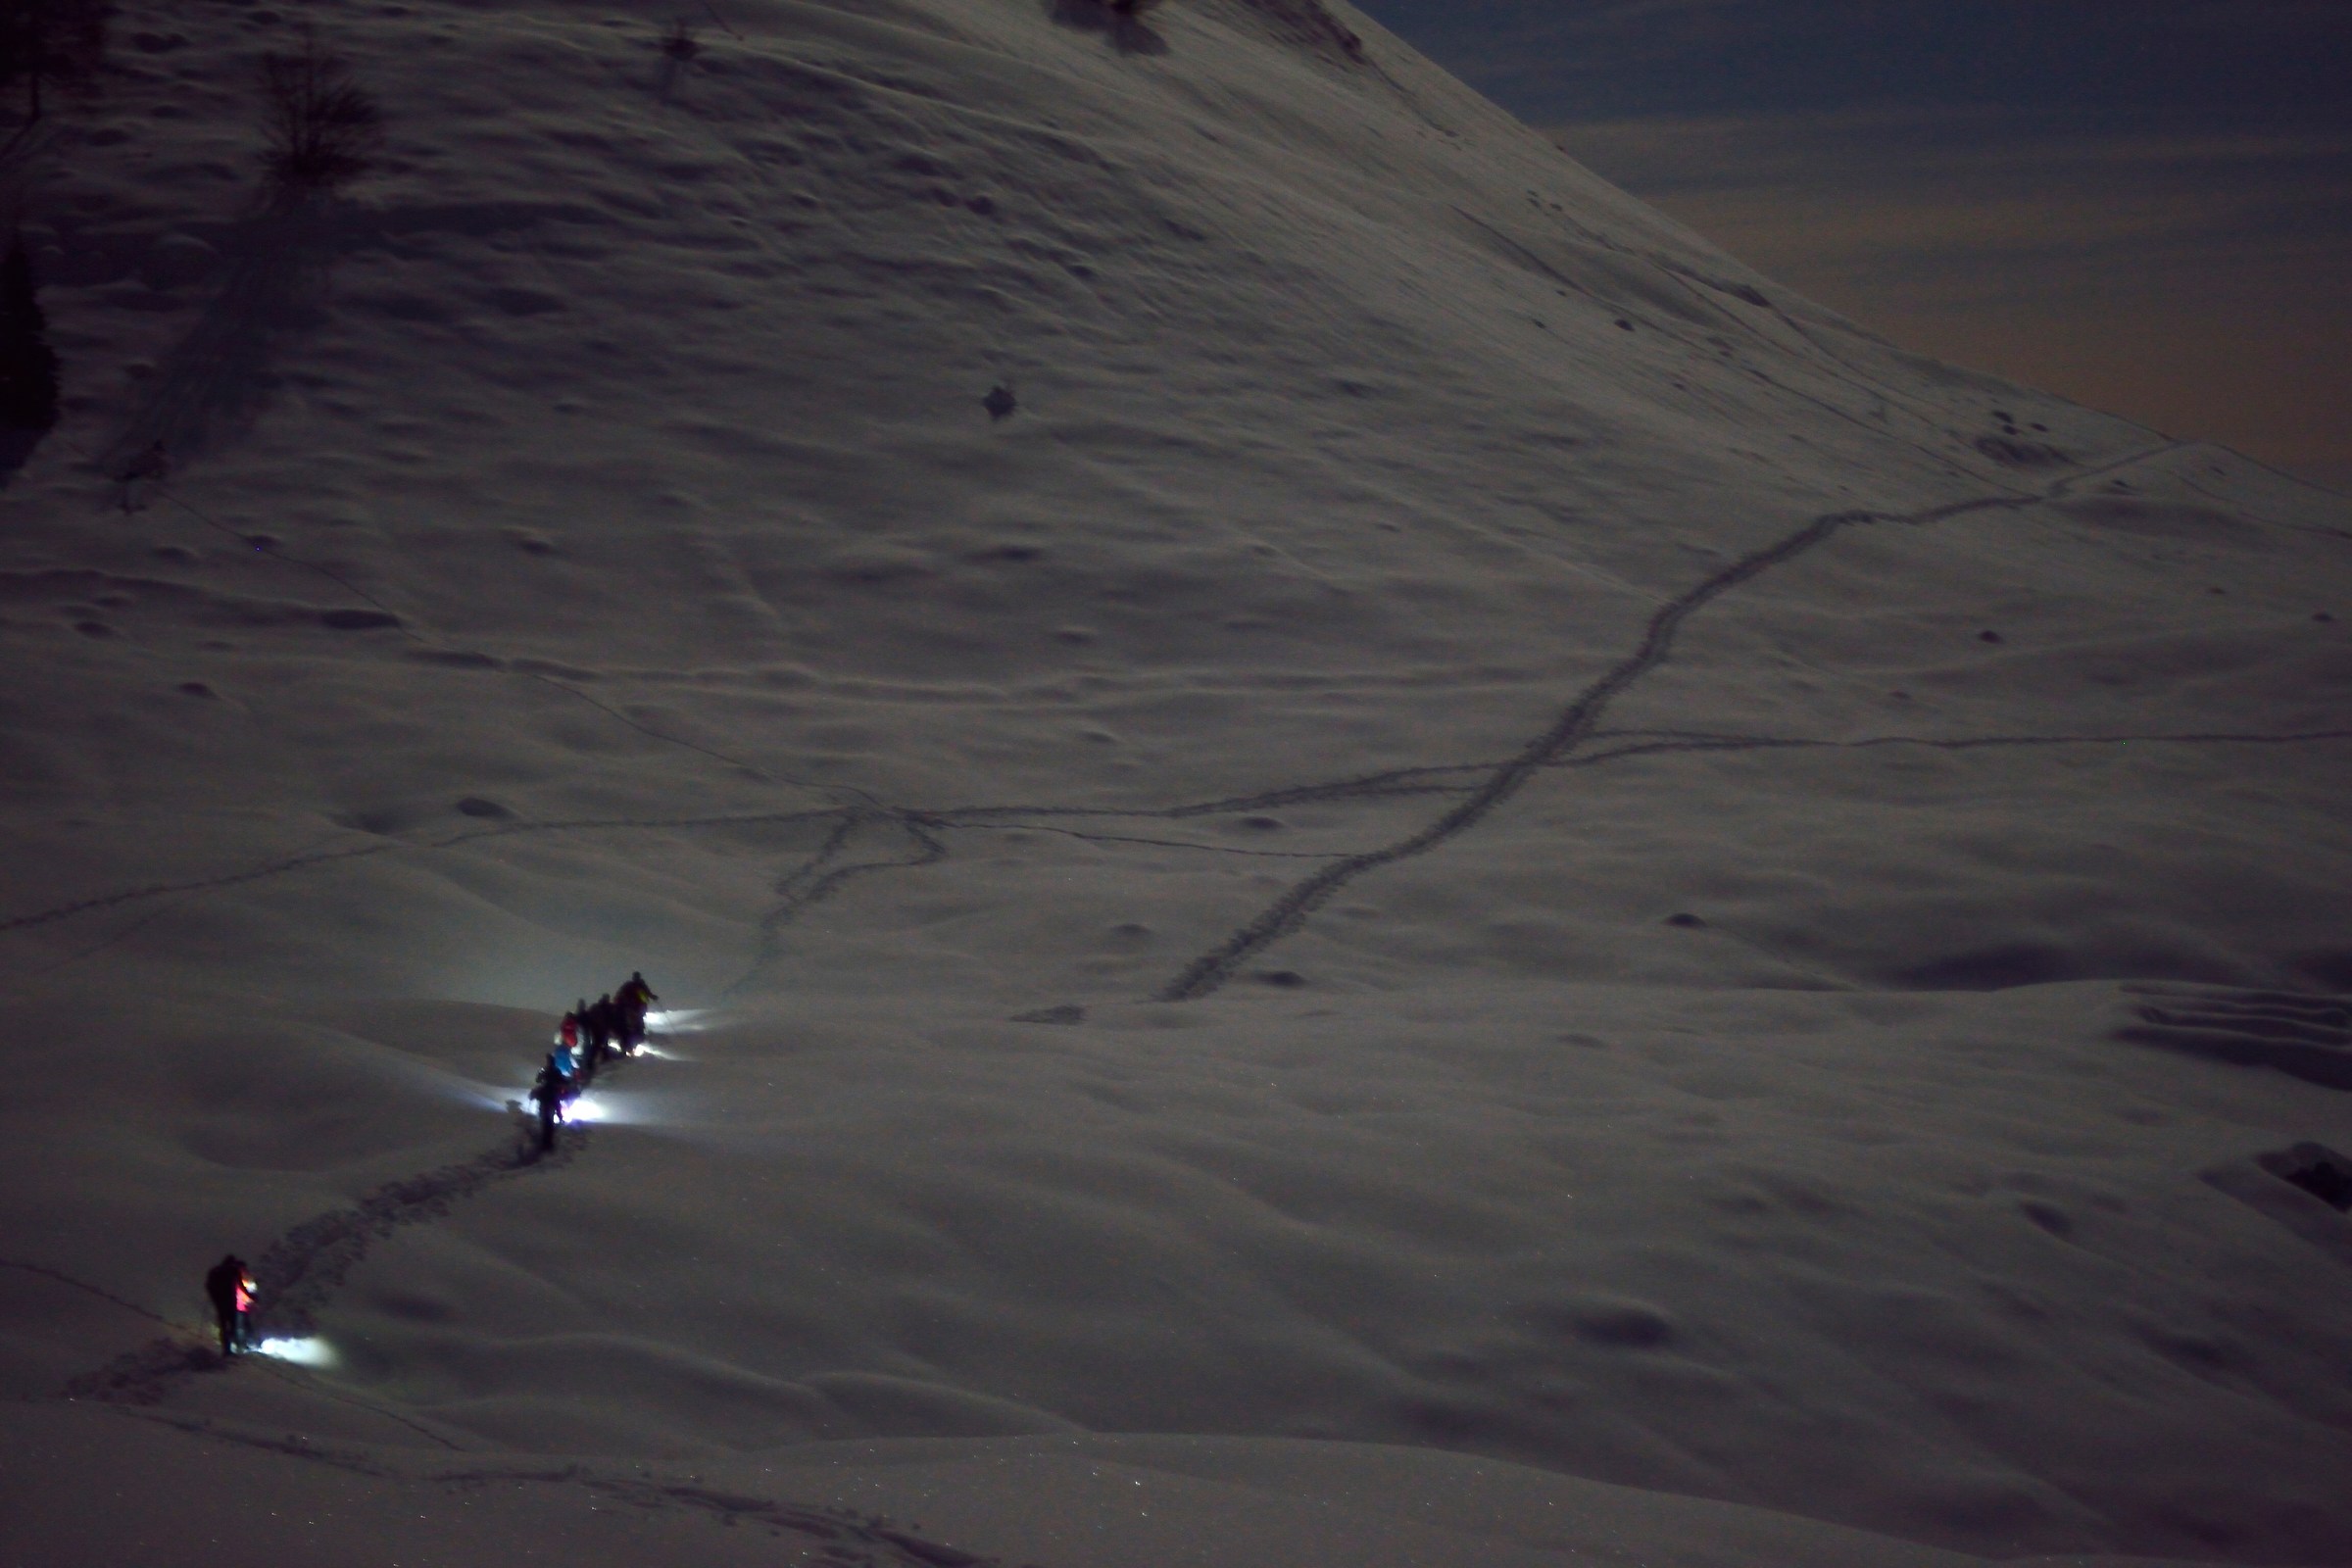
(320, 125)
(47, 40)
(28, 365)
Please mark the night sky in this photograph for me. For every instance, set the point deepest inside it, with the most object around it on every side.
(2146, 204)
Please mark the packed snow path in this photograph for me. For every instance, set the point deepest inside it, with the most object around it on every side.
(918, 830)
(300, 1272)
(299, 1275)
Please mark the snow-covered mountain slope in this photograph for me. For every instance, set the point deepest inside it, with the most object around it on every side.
(1475, 886)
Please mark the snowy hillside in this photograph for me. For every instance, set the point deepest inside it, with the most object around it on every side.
(1358, 858)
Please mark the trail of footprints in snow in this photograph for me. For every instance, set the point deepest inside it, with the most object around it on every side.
(2308, 1035)
(1575, 725)
(304, 1268)
(816, 879)
(1486, 785)
(300, 1274)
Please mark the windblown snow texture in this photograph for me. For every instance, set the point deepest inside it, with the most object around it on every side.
(1361, 858)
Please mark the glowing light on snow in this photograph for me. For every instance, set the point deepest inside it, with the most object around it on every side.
(302, 1353)
(677, 1020)
(586, 1109)
(456, 1086)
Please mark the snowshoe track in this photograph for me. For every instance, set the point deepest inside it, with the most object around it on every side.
(1482, 786)
(1575, 725)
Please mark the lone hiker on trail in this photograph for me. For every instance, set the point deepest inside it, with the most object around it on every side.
(231, 1289)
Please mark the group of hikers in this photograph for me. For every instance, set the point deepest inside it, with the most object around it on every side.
(591, 1033)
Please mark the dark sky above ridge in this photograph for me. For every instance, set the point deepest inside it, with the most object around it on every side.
(2146, 204)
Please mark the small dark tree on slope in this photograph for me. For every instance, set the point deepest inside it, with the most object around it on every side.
(679, 42)
(28, 365)
(50, 40)
(319, 125)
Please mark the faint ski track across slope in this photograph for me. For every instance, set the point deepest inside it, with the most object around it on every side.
(817, 879)
(813, 881)
(303, 1269)
(1576, 722)
(852, 1540)
(387, 846)
(1431, 778)
(84, 1286)
(1685, 280)
(400, 623)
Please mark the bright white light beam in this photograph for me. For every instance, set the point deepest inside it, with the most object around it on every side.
(302, 1353)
